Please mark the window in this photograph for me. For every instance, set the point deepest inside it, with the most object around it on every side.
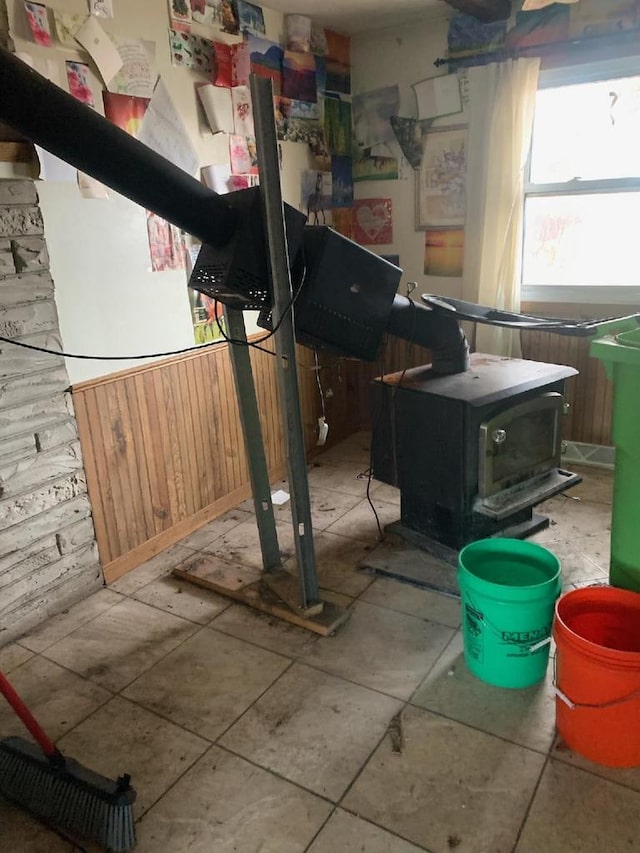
(582, 195)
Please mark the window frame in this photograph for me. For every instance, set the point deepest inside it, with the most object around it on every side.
(628, 66)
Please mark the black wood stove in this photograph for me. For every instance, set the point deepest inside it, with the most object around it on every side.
(472, 453)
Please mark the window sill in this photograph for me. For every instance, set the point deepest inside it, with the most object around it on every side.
(581, 295)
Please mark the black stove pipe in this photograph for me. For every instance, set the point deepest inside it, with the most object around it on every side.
(53, 119)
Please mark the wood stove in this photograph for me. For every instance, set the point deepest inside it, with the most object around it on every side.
(472, 453)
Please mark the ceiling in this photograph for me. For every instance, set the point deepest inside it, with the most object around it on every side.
(359, 16)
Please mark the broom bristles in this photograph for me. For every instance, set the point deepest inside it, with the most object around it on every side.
(69, 796)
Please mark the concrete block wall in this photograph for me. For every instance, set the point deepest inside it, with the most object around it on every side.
(48, 553)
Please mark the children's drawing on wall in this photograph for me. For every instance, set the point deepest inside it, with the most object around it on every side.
(371, 113)
(342, 182)
(242, 111)
(126, 111)
(243, 155)
(191, 51)
(337, 125)
(315, 196)
(138, 74)
(443, 251)
(298, 33)
(180, 14)
(372, 221)
(440, 182)
(250, 18)
(101, 8)
(299, 76)
(202, 12)
(265, 60)
(38, 18)
(166, 244)
(369, 168)
(342, 220)
(338, 54)
(78, 80)
(208, 319)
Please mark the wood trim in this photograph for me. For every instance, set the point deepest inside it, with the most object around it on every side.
(16, 152)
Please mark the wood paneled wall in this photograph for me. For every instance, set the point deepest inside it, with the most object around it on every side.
(163, 445)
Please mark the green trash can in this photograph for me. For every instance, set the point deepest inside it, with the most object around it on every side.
(508, 590)
(621, 357)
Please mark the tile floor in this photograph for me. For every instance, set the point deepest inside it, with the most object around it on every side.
(243, 733)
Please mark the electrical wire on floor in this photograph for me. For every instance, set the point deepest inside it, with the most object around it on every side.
(236, 341)
(411, 286)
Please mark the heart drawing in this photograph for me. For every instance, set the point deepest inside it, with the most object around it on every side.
(373, 221)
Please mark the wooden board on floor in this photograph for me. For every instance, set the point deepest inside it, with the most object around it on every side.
(246, 586)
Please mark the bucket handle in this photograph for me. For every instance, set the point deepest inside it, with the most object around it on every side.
(534, 648)
(635, 694)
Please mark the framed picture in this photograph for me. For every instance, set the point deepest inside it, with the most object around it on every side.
(441, 179)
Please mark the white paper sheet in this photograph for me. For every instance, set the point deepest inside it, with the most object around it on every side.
(100, 48)
(439, 96)
(217, 177)
(138, 73)
(163, 130)
(216, 102)
(52, 168)
(101, 8)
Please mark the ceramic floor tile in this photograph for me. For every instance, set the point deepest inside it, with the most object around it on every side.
(347, 833)
(345, 479)
(264, 630)
(64, 623)
(337, 562)
(182, 599)
(385, 492)
(226, 805)
(162, 564)
(242, 544)
(28, 835)
(576, 812)
(355, 450)
(627, 776)
(12, 656)
(326, 507)
(381, 649)
(208, 682)
(120, 644)
(57, 698)
(580, 518)
(410, 599)
(450, 786)
(313, 729)
(574, 564)
(596, 485)
(526, 716)
(204, 536)
(360, 522)
(597, 548)
(123, 738)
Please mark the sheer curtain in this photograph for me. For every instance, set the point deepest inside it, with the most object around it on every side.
(502, 102)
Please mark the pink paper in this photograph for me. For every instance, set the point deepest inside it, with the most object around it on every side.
(78, 79)
(372, 222)
(39, 23)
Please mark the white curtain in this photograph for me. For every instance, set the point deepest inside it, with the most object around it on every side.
(502, 102)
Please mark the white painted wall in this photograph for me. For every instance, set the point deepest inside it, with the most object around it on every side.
(404, 56)
(109, 301)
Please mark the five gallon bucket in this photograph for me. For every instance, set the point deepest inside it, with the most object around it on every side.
(597, 632)
(508, 590)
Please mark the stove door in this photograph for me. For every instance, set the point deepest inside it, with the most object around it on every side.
(519, 443)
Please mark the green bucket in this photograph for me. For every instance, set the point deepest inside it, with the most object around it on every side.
(508, 590)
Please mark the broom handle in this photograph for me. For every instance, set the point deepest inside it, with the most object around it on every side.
(44, 742)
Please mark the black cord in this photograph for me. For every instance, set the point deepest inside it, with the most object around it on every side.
(254, 344)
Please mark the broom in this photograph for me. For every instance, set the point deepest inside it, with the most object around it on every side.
(61, 791)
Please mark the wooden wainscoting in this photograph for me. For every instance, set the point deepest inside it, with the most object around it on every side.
(163, 445)
(589, 393)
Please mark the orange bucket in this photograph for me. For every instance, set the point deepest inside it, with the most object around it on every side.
(597, 633)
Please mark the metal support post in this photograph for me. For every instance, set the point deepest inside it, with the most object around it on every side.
(267, 144)
(250, 418)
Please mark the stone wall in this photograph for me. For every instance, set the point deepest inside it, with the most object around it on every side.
(48, 554)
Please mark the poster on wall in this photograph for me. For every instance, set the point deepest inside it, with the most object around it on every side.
(166, 244)
(78, 80)
(441, 179)
(180, 14)
(126, 111)
(38, 18)
(138, 73)
(299, 76)
(191, 51)
(101, 8)
(250, 18)
(443, 251)
(372, 221)
(371, 113)
(342, 219)
(315, 196)
(342, 182)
